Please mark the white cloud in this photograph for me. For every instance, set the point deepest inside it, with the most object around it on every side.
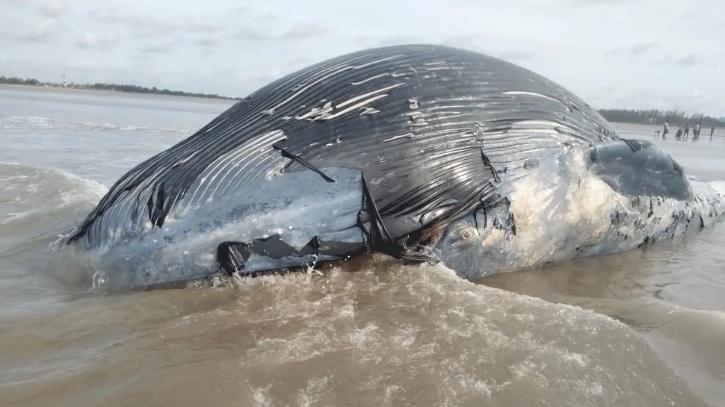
(689, 60)
(94, 41)
(159, 46)
(52, 8)
(44, 30)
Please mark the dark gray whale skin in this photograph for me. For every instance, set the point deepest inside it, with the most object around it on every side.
(436, 133)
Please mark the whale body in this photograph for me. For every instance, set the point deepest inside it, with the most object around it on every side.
(422, 152)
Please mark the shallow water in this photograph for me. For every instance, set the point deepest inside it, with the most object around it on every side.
(645, 327)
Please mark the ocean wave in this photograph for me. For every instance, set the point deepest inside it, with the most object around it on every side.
(40, 122)
(396, 334)
(35, 201)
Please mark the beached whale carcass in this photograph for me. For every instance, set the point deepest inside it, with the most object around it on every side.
(418, 151)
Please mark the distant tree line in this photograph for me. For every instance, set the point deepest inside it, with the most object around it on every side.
(106, 86)
(653, 116)
(20, 81)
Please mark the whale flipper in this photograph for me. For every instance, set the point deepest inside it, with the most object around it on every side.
(638, 168)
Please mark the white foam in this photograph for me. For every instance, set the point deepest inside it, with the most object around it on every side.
(15, 122)
(718, 186)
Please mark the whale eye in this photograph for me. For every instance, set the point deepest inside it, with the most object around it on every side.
(464, 236)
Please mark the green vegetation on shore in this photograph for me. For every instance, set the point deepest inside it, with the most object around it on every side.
(653, 116)
(106, 86)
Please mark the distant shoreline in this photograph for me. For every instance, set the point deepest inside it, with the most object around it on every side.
(108, 87)
(658, 117)
(33, 88)
(648, 117)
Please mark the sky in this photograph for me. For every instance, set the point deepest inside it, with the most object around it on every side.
(636, 54)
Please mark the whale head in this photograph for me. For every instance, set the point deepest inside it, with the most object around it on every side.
(605, 199)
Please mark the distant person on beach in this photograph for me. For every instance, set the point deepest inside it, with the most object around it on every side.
(665, 130)
(712, 131)
(696, 131)
(678, 135)
(687, 130)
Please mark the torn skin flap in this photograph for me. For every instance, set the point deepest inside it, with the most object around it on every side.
(273, 253)
(302, 161)
(293, 219)
(327, 221)
(232, 256)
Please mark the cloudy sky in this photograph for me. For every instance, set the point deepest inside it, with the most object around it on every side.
(613, 53)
